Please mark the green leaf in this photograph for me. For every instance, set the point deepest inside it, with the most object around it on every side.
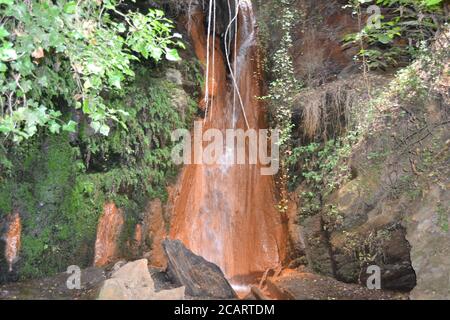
(55, 113)
(156, 53)
(8, 54)
(70, 126)
(384, 39)
(87, 84)
(431, 3)
(70, 7)
(115, 80)
(121, 28)
(172, 55)
(6, 127)
(3, 32)
(7, 2)
(104, 130)
(96, 126)
(54, 127)
(94, 68)
(86, 107)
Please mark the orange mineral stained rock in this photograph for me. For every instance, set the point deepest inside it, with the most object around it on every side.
(156, 230)
(12, 239)
(108, 231)
(138, 235)
(225, 212)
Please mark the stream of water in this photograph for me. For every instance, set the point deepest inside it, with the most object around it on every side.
(227, 212)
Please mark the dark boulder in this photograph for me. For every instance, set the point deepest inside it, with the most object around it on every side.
(200, 277)
(394, 261)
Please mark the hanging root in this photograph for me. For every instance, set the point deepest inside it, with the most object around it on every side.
(213, 57)
(236, 91)
(207, 56)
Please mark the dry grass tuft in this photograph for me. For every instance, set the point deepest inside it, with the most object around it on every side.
(326, 110)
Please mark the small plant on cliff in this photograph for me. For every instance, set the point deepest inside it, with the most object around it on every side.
(323, 166)
(281, 96)
(394, 30)
(366, 248)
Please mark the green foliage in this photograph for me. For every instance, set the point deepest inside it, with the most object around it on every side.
(282, 90)
(311, 205)
(323, 164)
(61, 57)
(332, 218)
(397, 32)
(151, 36)
(5, 199)
(366, 248)
(42, 180)
(284, 86)
(408, 86)
(323, 168)
(60, 187)
(137, 159)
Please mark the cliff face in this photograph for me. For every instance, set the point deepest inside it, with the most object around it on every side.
(389, 204)
(391, 209)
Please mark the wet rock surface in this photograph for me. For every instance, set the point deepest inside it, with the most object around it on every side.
(155, 232)
(303, 285)
(108, 232)
(200, 277)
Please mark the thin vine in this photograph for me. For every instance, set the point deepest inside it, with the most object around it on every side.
(281, 98)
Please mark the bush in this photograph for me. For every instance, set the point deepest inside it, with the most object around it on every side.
(67, 56)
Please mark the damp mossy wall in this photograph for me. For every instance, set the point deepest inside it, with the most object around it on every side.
(59, 183)
(40, 186)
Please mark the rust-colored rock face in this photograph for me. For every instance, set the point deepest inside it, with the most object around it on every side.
(156, 230)
(12, 239)
(108, 231)
(318, 51)
(224, 212)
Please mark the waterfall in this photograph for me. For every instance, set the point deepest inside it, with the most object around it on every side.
(227, 212)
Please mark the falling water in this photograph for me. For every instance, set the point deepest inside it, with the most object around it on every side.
(226, 212)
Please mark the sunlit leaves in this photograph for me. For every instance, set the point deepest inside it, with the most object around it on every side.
(70, 7)
(413, 20)
(151, 35)
(3, 32)
(7, 2)
(7, 54)
(71, 53)
(70, 126)
(54, 127)
(172, 55)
